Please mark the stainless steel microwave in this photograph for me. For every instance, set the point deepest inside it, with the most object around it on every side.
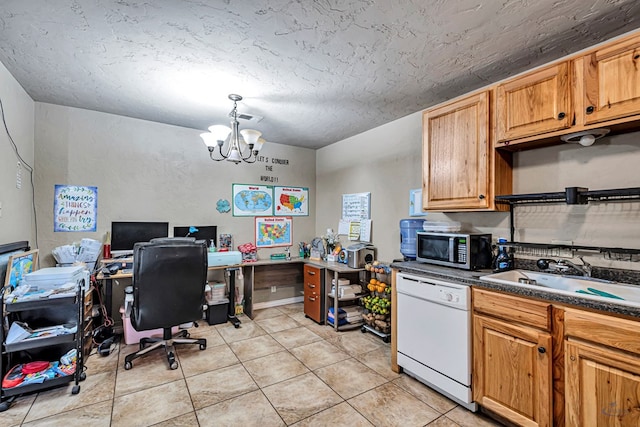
(469, 251)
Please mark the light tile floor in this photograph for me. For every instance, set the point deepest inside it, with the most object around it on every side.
(280, 369)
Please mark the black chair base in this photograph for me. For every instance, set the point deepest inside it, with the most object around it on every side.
(148, 345)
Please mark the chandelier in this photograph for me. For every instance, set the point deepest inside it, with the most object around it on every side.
(241, 146)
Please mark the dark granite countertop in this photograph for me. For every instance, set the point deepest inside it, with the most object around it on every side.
(473, 278)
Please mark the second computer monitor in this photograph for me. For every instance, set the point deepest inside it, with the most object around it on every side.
(205, 232)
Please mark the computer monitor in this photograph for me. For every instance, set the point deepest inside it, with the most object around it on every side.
(205, 232)
(125, 234)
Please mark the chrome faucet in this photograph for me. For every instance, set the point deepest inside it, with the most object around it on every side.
(563, 264)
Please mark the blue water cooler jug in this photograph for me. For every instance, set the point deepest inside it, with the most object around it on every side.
(408, 230)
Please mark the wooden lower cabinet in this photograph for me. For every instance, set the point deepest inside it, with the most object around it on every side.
(512, 371)
(602, 370)
(602, 387)
(536, 363)
(313, 293)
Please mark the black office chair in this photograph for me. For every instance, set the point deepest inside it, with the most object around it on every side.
(169, 277)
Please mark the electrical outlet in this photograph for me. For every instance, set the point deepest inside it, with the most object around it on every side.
(273, 289)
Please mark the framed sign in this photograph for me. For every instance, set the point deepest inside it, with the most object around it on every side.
(75, 208)
(252, 200)
(415, 203)
(19, 265)
(293, 201)
(273, 231)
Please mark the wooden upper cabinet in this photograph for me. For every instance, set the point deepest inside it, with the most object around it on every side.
(535, 103)
(612, 81)
(455, 155)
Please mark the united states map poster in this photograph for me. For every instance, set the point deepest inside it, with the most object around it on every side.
(291, 201)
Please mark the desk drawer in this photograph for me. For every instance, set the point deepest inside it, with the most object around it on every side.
(312, 277)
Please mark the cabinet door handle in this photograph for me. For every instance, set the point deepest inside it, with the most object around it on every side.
(312, 299)
(481, 197)
(311, 285)
(561, 116)
(590, 109)
(311, 273)
(542, 350)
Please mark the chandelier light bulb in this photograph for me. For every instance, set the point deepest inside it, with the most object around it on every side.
(240, 146)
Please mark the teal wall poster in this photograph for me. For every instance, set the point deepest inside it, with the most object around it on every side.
(75, 208)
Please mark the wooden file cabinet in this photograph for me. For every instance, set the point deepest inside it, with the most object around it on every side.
(313, 293)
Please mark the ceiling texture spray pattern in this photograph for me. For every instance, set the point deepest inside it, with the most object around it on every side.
(317, 71)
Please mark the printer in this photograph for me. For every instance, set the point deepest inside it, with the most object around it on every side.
(359, 254)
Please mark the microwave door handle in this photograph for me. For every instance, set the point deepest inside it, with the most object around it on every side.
(451, 248)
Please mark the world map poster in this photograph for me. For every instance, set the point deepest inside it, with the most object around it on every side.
(272, 231)
(252, 200)
(292, 201)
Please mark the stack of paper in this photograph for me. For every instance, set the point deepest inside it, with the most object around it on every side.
(86, 251)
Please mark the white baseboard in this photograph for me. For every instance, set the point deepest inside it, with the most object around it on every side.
(275, 303)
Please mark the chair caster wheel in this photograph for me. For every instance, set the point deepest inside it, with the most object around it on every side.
(128, 365)
(4, 406)
(174, 365)
(75, 389)
(363, 329)
(387, 340)
(203, 346)
(83, 376)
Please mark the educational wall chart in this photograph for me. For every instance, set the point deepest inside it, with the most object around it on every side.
(292, 201)
(252, 200)
(355, 222)
(356, 206)
(273, 231)
(75, 208)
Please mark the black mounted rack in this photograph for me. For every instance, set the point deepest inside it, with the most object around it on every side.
(572, 196)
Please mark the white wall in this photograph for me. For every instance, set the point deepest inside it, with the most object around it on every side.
(387, 162)
(146, 171)
(17, 209)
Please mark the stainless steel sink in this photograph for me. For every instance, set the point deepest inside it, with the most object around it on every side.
(602, 290)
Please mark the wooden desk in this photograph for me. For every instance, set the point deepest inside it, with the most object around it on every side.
(258, 276)
(108, 289)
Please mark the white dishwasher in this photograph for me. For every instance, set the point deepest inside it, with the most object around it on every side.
(434, 334)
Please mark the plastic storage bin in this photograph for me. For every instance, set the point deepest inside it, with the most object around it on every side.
(408, 230)
(131, 336)
(442, 226)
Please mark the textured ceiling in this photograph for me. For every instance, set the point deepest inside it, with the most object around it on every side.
(317, 71)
